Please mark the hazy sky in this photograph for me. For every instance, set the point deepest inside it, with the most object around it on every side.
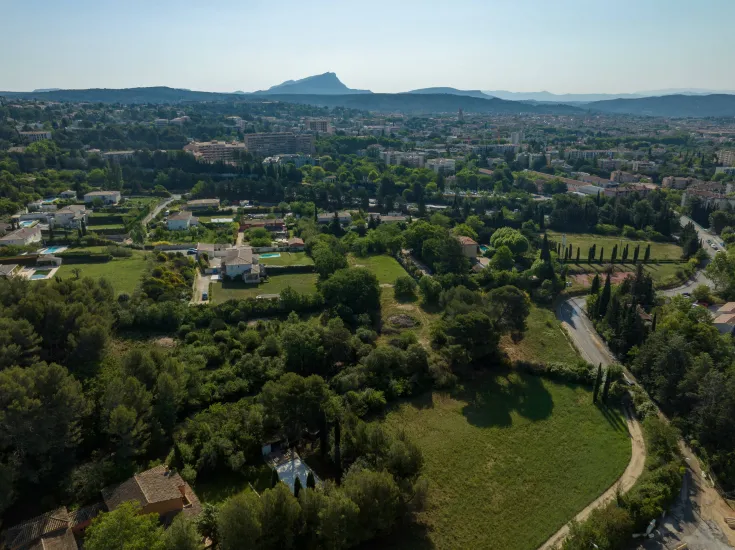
(563, 46)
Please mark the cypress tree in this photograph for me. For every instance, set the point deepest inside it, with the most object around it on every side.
(542, 221)
(297, 487)
(337, 451)
(578, 254)
(597, 383)
(274, 477)
(602, 253)
(614, 255)
(647, 253)
(310, 481)
(625, 253)
(545, 252)
(635, 253)
(604, 297)
(595, 288)
(653, 323)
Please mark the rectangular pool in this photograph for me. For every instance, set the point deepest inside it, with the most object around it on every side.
(484, 248)
(271, 255)
(52, 249)
(27, 223)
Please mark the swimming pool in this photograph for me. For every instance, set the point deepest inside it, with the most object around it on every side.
(52, 249)
(484, 248)
(27, 223)
(271, 255)
(37, 276)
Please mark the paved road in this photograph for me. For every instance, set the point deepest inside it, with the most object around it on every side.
(699, 277)
(579, 327)
(157, 209)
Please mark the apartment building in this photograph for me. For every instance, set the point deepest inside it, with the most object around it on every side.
(215, 151)
(399, 158)
(446, 166)
(729, 170)
(107, 197)
(674, 182)
(160, 122)
(322, 126)
(296, 160)
(643, 166)
(586, 154)
(279, 143)
(726, 157)
(117, 156)
(611, 164)
(618, 176)
(31, 137)
(516, 137)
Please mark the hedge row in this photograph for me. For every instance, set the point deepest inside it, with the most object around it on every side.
(284, 269)
(84, 257)
(105, 219)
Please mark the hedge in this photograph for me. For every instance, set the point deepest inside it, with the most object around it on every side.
(580, 372)
(105, 219)
(284, 269)
(84, 257)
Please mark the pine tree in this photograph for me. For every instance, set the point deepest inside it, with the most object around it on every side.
(604, 300)
(274, 477)
(647, 253)
(310, 481)
(595, 288)
(297, 487)
(337, 450)
(598, 380)
(606, 387)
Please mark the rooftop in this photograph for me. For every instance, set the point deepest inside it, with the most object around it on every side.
(466, 240)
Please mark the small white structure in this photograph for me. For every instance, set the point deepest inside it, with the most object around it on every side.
(181, 221)
(290, 466)
(107, 197)
(22, 237)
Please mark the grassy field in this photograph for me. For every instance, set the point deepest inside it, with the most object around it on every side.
(123, 273)
(386, 268)
(219, 489)
(659, 251)
(543, 341)
(119, 226)
(663, 275)
(236, 290)
(389, 306)
(288, 258)
(510, 460)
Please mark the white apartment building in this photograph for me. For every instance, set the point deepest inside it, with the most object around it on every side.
(446, 166)
(107, 197)
(117, 156)
(413, 160)
(516, 137)
(214, 151)
(726, 157)
(322, 126)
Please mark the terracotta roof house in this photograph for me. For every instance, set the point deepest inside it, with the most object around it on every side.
(469, 246)
(158, 490)
(48, 531)
(296, 244)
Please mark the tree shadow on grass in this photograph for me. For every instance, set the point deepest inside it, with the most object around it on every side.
(613, 418)
(491, 402)
(407, 535)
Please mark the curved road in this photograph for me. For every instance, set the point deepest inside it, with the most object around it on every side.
(698, 516)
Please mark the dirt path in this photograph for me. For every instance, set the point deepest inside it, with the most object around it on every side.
(625, 482)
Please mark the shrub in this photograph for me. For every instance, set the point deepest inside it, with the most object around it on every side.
(405, 287)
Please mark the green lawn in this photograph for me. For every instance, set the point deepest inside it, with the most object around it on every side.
(220, 488)
(386, 268)
(659, 251)
(237, 290)
(509, 461)
(119, 226)
(543, 341)
(288, 258)
(123, 273)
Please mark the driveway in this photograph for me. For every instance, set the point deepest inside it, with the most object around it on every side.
(201, 285)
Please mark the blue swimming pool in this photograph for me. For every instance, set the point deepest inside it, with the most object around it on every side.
(27, 223)
(271, 255)
(52, 249)
(483, 248)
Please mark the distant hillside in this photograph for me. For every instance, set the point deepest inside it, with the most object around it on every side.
(321, 84)
(453, 91)
(425, 103)
(547, 97)
(160, 94)
(47, 90)
(717, 105)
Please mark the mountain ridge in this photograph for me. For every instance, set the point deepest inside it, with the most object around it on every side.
(449, 90)
(321, 84)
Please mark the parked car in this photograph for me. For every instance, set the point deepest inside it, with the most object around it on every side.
(191, 251)
(205, 296)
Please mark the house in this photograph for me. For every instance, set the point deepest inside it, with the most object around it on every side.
(240, 262)
(469, 247)
(273, 225)
(107, 197)
(7, 270)
(71, 216)
(727, 308)
(725, 323)
(181, 221)
(22, 237)
(51, 530)
(203, 204)
(296, 244)
(68, 194)
(344, 217)
(158, 490)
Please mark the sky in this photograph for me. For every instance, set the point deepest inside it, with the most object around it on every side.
(562, 46)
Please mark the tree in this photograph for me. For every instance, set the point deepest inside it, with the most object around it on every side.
(377, 497)
(509, 306)
(636, 251)
(405, 288)
(295, 403)
(339, 522)
(430, 290)
(598, 381)
(337, 450)
(76, 272)
(578, 251)
(310, 481)
(604, 298)
(614, 255)
(241, 519)
(208, 524)
(512, 238)
(182, 535)
(125, 529)
(327, 260)
(355, 289)
(279, 517)
(297, 486)
(595, 287)
(602, 253)
(274, 477)
(545, 251)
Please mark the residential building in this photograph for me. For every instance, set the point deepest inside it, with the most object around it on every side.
(215, 151)
(502, 148)
(591, 190)
(585, 154)
(160, 122)
(22, 237)
(611, 164)
(729, 170)
(7, 270)
(179, 120)
(674, 182)
(181, 221)
(594, 180)
(446, 166)
(469, 247)
(522, 160)
(516, 137)
(71, 216)
(68, 194)
(297, 160)
(322, 126)
(399, 158)
(273, 225)
(725, 323)
(726, 157)
(52, 530)
(643, 166)
(241, 263)
(107, 197)
(31, 137)
(278, 143)
(117, 156)
(296, 244)
(618, 176)
(534, 158)
(344, 217)
(203, 204)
